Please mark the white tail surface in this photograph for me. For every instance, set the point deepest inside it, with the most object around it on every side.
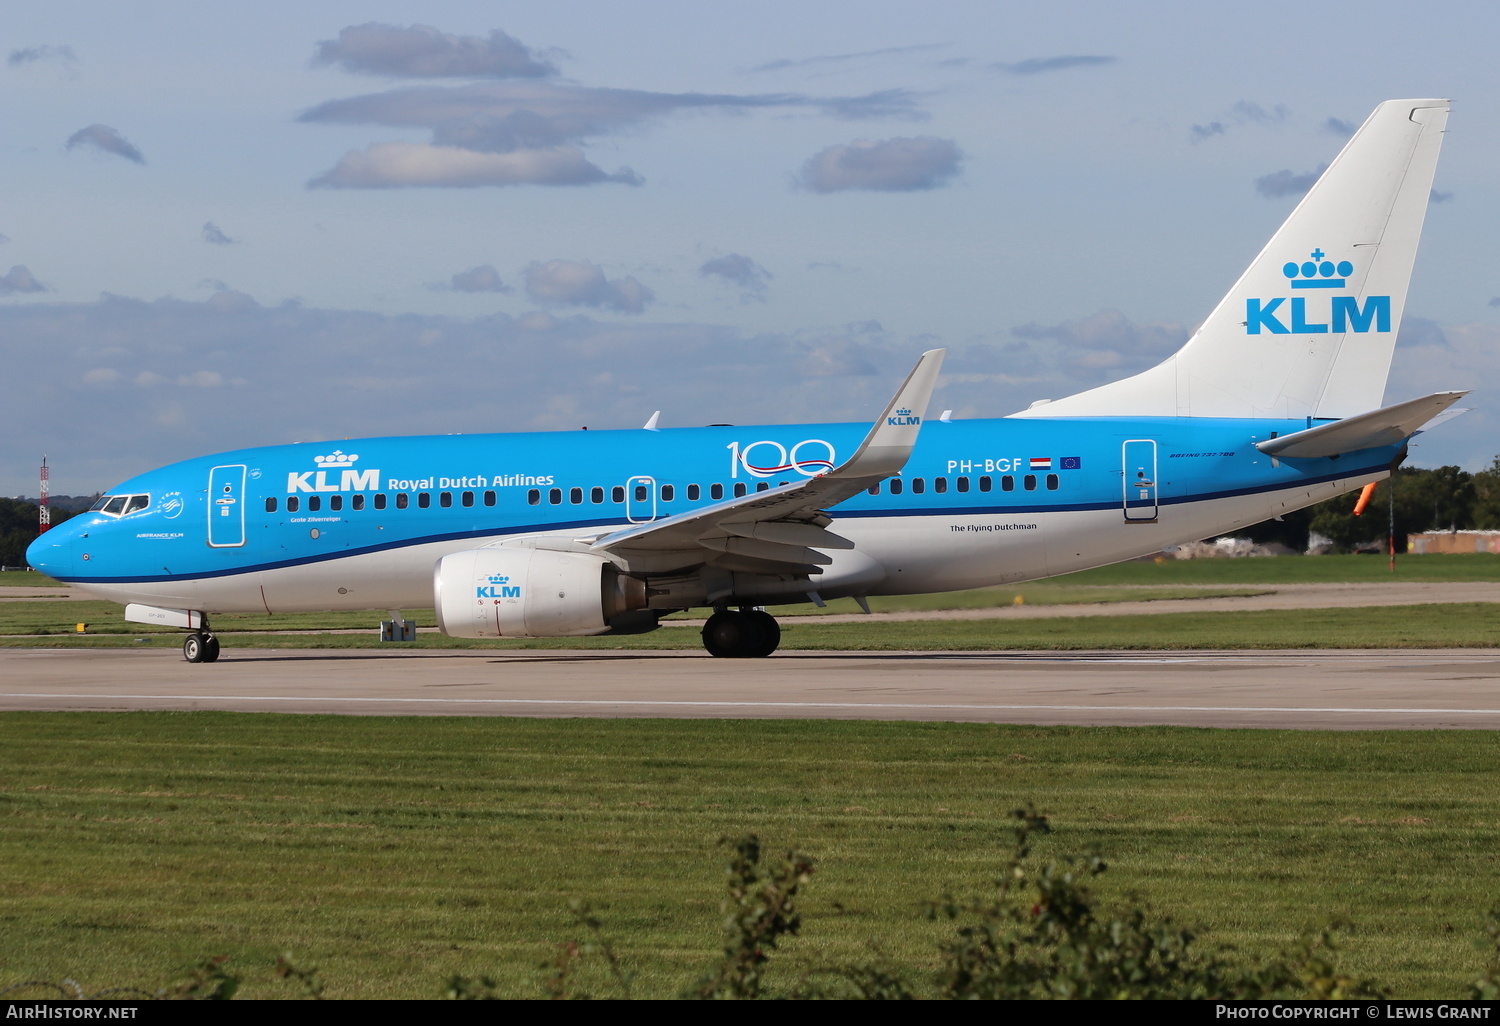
(1309, 329)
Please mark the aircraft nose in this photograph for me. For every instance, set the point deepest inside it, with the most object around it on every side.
(52, 553)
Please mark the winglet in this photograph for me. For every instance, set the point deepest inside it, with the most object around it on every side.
(887, 447)
(650, 425)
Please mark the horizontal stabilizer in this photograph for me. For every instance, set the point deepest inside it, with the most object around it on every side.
(1388, 426)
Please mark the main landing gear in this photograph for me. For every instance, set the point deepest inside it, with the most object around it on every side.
(741, 634)
(200, 646)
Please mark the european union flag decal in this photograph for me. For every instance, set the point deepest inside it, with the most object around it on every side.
(1071, 463)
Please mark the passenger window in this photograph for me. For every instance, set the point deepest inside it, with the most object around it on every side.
(575, 496)
(963, 484)
(667, 491)
(467, 498)
(896, 486)
(940, 484)
(445, 499)
(402, 500)
(985, 484)
(291, 504)
(693, 493)
(874, 489)
(358, 502)
(533, 497)
(1052, 482)
(1007, 483)
(379, 500)
(335, 502)
(1030, 482)
(640, 493)
(271, 504)
(314, 503)
(424, 500)
(918, 485)
(761, 486)
(739, 489)
(617, 493)
(596, 495)
(489, 497)
(716, 491)
(554, 496)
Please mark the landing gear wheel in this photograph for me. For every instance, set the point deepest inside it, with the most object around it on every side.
(730, 634)
(200, 648)
(770, 632)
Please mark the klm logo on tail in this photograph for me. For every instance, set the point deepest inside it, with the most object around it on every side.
(1340, 314)
(903, 418)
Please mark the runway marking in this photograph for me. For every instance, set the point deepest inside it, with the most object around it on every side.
(616, 703)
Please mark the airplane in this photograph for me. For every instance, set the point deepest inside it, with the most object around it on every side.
(1272, 405)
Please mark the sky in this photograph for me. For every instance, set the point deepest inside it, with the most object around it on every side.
(233, 225)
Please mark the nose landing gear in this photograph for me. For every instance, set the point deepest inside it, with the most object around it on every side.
(741, 634)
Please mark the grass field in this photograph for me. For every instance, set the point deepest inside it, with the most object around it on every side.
(391, 852)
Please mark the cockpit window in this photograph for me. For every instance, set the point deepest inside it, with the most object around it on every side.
(119, 505)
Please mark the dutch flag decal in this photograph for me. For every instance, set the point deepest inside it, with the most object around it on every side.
(1041, 463)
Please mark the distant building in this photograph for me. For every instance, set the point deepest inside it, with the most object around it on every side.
(1432, 542)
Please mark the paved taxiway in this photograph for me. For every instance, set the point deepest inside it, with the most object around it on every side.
(1401, 689)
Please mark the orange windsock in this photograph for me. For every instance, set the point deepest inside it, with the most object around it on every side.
(1364, 498)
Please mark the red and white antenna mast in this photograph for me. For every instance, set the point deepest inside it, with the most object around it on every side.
(44, 512)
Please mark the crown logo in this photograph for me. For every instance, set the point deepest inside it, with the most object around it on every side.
(903, 413)
(499, 579)
(336, 459)
(1317, 273)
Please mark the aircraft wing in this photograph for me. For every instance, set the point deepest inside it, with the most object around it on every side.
(781, 529)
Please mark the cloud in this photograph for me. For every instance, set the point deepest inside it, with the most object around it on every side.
(1243, 112)
(838, 58)
(401, 164)
(557, 110)
(737, 269)
(528, 132)
(20, 280)
(1037, 65)
(211, 233)
(483, 278)
(1439, 197)
(886, 165)
(421, 51)
(1287, 183)
(1106, 345)
(1421, 332)
(1340, 127)
(580, 283)
(47, 52)
(104, 138)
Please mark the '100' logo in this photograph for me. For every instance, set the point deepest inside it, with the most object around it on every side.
(809, 457)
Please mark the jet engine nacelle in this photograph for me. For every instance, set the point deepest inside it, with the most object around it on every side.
(530, 593)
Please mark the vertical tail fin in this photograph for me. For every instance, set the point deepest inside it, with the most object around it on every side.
(1308, 330)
